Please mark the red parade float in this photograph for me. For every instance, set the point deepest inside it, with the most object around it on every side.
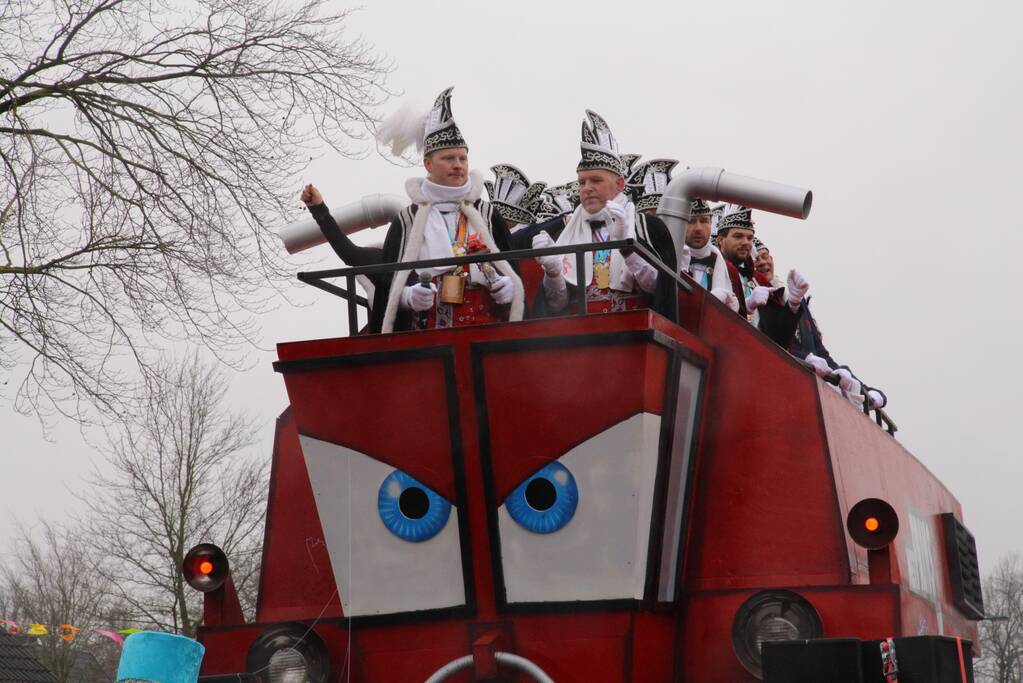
(612, 497)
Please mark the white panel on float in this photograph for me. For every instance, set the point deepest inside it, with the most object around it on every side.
(376, 572)
(601, 554)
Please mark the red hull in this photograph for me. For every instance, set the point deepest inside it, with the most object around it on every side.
(778, 459)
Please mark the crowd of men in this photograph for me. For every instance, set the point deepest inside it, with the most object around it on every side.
(614, 197)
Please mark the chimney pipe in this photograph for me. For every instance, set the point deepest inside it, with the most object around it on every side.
(715, 184)
(368, 212)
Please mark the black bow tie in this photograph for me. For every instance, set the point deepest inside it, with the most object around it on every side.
(595, 225)
(710, 260)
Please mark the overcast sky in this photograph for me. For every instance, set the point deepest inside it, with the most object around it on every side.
(903, 118)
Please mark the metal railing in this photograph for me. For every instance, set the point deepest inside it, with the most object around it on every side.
(880, 416)
(318, 278)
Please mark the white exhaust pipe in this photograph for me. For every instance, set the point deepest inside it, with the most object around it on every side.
(368, 212)
(715, 184)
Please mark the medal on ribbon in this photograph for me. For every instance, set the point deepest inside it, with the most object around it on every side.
(452, 285)
(601, 263)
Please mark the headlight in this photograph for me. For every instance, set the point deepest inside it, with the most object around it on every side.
(872, 523)
(205, 567)
(287, 666)
(290, 653)
(771, 615)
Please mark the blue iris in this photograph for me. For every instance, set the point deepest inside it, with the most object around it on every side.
(411, 510)
(546, 501)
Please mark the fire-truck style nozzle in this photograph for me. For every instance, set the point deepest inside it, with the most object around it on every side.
(716, 184)
(369, 212)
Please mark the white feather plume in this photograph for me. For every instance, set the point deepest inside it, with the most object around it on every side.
(403, 129)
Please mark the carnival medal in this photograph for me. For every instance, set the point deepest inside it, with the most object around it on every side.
(602, 274)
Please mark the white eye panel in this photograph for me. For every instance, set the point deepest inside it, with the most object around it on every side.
(601, 553)
(376, 571)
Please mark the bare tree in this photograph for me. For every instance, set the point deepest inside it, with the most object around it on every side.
(1001, 638)
(146, 148)
(178, 477)
(52, 578)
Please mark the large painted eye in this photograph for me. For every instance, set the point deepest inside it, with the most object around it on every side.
(545, 502)
(410, 510)
(591, 546)
(377, 566)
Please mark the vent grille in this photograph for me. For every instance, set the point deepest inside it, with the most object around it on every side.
(961, 553)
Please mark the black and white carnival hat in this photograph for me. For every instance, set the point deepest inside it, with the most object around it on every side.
(736, 217)
(565, 197)
(699, 207)
(716, 212)
(513, 195)
(544, 208)
(557, 200)
(440, 130)
(428, 131)
(648, 181)
(628, 164)
(599, 147)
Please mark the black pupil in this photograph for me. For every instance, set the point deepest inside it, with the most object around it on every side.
(413, 503)
(540, 494)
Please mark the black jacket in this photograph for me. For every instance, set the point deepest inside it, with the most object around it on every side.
(651, 232)
(354, 255)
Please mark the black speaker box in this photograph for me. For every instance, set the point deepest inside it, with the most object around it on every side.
(933, 659)
(921, 659)
(834, 660)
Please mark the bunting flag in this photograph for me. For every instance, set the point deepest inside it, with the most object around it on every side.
(112, 635)
(66, 631)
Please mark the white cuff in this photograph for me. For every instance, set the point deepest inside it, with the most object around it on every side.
(556, 291)
(645, 274)
(404, 302)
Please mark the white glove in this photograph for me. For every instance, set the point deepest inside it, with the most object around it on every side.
(551, 264)
(819, 365)
(856, 398)
(796, 286)
(687, 258)
(847, 382)
(876, 398)
(418, 298)
(727, 297)
(757, 298)
(502, 290)
(616, 229)
(643, 272)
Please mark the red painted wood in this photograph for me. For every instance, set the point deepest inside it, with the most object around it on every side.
(556, 399)
(296, 580)
(781, 458)
(764, 489)
(395, 412)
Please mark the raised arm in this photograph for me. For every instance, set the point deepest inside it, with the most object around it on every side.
(349, 252)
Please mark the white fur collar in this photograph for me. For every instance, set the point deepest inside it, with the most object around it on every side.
(414, 188)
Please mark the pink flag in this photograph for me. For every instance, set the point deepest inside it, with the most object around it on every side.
(112, 635)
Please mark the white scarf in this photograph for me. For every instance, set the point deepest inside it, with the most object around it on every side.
(578, 231)
(437, 240)
(416, 239)
(719, 278)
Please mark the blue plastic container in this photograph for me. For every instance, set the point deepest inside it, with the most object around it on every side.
(160, 658)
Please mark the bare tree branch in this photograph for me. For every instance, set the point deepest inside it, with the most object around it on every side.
(145, 151)
(1001, 660)
(52, 578)
(178, 479)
